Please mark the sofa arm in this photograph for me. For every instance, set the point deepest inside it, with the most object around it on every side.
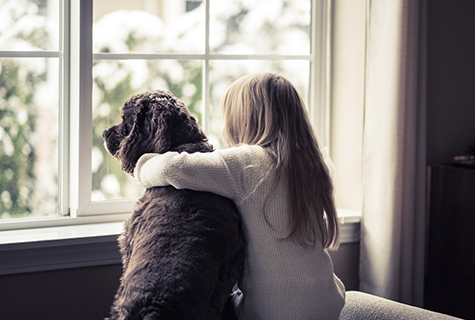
(364, 306)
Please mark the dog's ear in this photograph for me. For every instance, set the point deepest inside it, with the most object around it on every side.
(163, 118)
(137, 142)
(152, 127)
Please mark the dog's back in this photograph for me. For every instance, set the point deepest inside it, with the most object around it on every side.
(183, 251)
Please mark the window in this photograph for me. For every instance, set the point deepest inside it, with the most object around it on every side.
(68, 66)
(30, 104)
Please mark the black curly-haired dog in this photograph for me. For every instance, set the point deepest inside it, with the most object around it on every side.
(182, 250)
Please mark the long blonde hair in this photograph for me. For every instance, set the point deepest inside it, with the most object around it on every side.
(266, 110)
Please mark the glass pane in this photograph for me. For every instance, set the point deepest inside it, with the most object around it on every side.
(28, 137)
(260, 26)
(224, 72)
(114, 82)
(151, 26)
(27, 25)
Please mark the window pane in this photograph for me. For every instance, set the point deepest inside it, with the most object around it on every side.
(151, 26)
(114, 82)
(27, 25)
(28, 137)
(260, 26)
(224, 72)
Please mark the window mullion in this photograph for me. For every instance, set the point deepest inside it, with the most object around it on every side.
(63, 116)
(206, 88)
(81, 106)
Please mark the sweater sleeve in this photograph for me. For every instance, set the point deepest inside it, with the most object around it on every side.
(221, 172)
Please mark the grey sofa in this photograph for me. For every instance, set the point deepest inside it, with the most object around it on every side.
(364, 306)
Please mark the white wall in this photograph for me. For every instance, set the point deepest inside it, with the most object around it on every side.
(347, 101)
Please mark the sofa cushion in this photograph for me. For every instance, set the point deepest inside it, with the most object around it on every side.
(364, 306)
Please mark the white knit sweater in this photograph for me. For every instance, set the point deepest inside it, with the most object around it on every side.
(281, 280)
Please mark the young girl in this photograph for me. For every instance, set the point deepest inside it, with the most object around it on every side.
(275, 174)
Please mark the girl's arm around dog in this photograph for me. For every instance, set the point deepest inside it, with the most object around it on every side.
(224, 172)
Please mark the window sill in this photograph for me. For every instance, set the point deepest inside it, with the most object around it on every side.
(87, 245)
(62, 247)
(349, 226)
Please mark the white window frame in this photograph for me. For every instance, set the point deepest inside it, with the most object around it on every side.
(75, 132)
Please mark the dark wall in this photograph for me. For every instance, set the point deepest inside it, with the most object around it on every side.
(346, 264)
(72, 294)
(450, 78)
(87, 293)
(450, 118)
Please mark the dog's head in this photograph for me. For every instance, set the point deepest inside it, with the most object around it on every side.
(152, 122)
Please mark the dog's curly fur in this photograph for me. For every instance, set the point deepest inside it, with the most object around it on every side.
(182, 250)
